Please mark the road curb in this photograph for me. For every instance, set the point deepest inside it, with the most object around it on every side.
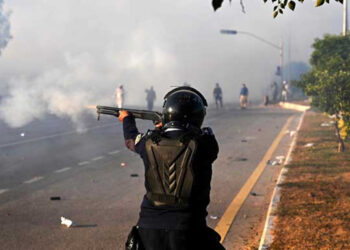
(293, 106)
(267, 237)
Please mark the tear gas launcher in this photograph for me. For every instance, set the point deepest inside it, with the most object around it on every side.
(154, 116)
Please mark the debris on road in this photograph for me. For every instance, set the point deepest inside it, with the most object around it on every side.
(241, 159)
(292, 133)
(253, 194)
(309, 145)
(55, 198)
(243, 140)
(66, 222)
(325, 124)
(213, 217)
(122, 164)
(280, 159)
(23, 134)
(134, 175)
(274, 163)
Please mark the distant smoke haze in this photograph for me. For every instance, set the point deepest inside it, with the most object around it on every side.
(5, 35)
(65, 56)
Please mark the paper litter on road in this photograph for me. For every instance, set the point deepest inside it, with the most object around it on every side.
(66, 222)
(292, 133)
(280, 159)
(213, 217)
(325, 124)
(23, 134)
(309, 145)
(274, 163)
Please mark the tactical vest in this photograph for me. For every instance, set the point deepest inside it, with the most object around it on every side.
(169, 177)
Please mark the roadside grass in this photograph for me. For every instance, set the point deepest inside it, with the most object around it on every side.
(314, 207)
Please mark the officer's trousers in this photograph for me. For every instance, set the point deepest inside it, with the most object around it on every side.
(162, 239)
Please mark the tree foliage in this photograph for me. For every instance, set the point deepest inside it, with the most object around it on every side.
(328, 81)
(279, 6)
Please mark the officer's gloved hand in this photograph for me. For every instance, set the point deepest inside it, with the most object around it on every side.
(122, 115)
(159, 125)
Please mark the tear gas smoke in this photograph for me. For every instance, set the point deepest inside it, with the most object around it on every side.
(138, 45)
(69, 90)
(64, 92)
(5, 35)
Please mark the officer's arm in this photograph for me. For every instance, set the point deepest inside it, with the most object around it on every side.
(130, 132)
(210, 144)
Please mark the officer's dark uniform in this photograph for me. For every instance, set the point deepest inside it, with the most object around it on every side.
(178, 169)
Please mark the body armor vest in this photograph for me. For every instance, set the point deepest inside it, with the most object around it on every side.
(169, 177)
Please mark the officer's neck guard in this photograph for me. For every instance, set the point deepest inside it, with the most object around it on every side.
(181, 126)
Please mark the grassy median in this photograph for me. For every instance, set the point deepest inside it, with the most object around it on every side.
(314, 210)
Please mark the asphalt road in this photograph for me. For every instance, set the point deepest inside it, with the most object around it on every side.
(100, 183)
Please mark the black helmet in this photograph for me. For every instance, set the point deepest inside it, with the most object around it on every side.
(185, 105)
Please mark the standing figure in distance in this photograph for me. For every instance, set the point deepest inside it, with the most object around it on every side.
(178, 157)
(274, 92)
(284, 91)
(119, 96)
(218, 96)
(150, 97)
(244, 96)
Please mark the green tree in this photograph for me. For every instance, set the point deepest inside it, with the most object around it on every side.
(279, 6)
(328, 81)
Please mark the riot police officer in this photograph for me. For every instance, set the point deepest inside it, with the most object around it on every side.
(178, 159)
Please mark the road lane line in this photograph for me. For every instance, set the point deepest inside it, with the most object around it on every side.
(62, 170)
(3, 190)
(114, 152)
(35, 179)
(97, 158)
(82, 163)
(226, 220)
(53, 136)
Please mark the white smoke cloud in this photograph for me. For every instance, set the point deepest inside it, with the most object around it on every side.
(65, 57)
(82, 80)
(64, 92)
(5, 35)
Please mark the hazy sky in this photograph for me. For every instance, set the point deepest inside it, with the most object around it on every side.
(67, 52)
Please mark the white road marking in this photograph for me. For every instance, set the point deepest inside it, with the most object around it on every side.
(3, 191)
(82, 163)
(37, 178)
(114, 152)
(53, 136)
(97, 158)
(62, 170)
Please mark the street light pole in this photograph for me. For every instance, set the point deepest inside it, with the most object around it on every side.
(279, 47)
(282, 61)
(345, 17)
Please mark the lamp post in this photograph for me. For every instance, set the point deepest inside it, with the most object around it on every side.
(279, 47)
(345, 17)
